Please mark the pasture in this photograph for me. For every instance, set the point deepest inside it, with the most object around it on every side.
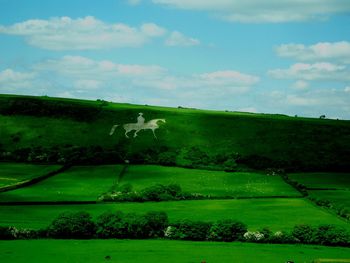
(130, 251)
(275, 213)
(212, 183)
(339, 181)
(13, 173)
(339, 198)
(81, 183)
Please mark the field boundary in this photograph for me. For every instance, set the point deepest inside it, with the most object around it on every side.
(34, 180)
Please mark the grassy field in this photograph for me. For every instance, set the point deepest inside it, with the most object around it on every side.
(276, 213)
(85, 183)
(12, 173)
(213, 183)
(49, 122)
(337, 197)
(339, 181)
(131, 251)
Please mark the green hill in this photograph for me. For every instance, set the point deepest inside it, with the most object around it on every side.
(43, 129)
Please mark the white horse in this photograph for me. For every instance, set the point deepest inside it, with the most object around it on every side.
(128, 127)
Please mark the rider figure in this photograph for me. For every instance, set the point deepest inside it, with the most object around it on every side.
(140, 119)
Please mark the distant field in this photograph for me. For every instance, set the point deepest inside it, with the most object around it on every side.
(276, 213)
(131, 251)
(12, 173)
(84, 183)
(323, 180)
(337, 197)
(214, 183)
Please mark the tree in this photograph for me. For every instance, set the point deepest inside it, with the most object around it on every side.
(72, 225)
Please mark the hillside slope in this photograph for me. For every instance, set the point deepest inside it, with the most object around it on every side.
(56, 130)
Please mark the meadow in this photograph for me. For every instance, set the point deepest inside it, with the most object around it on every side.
(130, 251)
(339, 181)
(85, 183)
(13, 173)
(275, 213)
(212, 183)
(339, 198)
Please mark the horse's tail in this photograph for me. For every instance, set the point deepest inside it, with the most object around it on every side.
(113, 129)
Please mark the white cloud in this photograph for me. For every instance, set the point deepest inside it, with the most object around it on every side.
(323, 51)
(347, 89)
(297, 100)
(152, 30)
(178, 39)
(316, 71)
(81, 77)
(65, 33)
(79, 67)
(13, 80)
(268, 11)
(300, 85)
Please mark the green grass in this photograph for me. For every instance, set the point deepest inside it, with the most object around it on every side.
(49, 122)
(338, 198)
(13, 173)
(131, 251)
(323, 180)
(82, 183)
(276, 213)
(213, 183)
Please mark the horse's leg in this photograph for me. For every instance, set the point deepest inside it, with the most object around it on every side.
(136, 131)
(126, 133)
(154, 134)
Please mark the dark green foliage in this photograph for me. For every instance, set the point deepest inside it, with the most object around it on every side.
(160, 192)
(72, 225)
(332, 235)
(110, 225)
(266, 232)
(167, 158)
(282, 237)
(190, 230)
(227, 230)
(6, 233)
(118, 225)
(230, 165)
(156, 223)
(304, 234)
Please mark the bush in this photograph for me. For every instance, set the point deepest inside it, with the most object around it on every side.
(304, 234)
(72, 225)
(167, 158)
(160, 192)
(227, 230)
(110, 225)
(332, 235)
(6, 233)
(282, 237)
(253, 236)
(156, 223)
(189, 230)
(230, 165)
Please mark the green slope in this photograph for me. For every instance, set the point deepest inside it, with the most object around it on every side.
(261, 140)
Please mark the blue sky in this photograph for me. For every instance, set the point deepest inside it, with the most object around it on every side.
(290, 57)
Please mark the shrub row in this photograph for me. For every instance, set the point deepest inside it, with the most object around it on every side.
(80, 225)
(157, 192)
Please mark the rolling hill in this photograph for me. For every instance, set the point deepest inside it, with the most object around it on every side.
(44, 129)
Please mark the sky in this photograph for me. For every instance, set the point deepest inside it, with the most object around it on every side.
(289, 57)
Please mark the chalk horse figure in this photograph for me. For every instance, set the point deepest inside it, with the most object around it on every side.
(138, 126)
